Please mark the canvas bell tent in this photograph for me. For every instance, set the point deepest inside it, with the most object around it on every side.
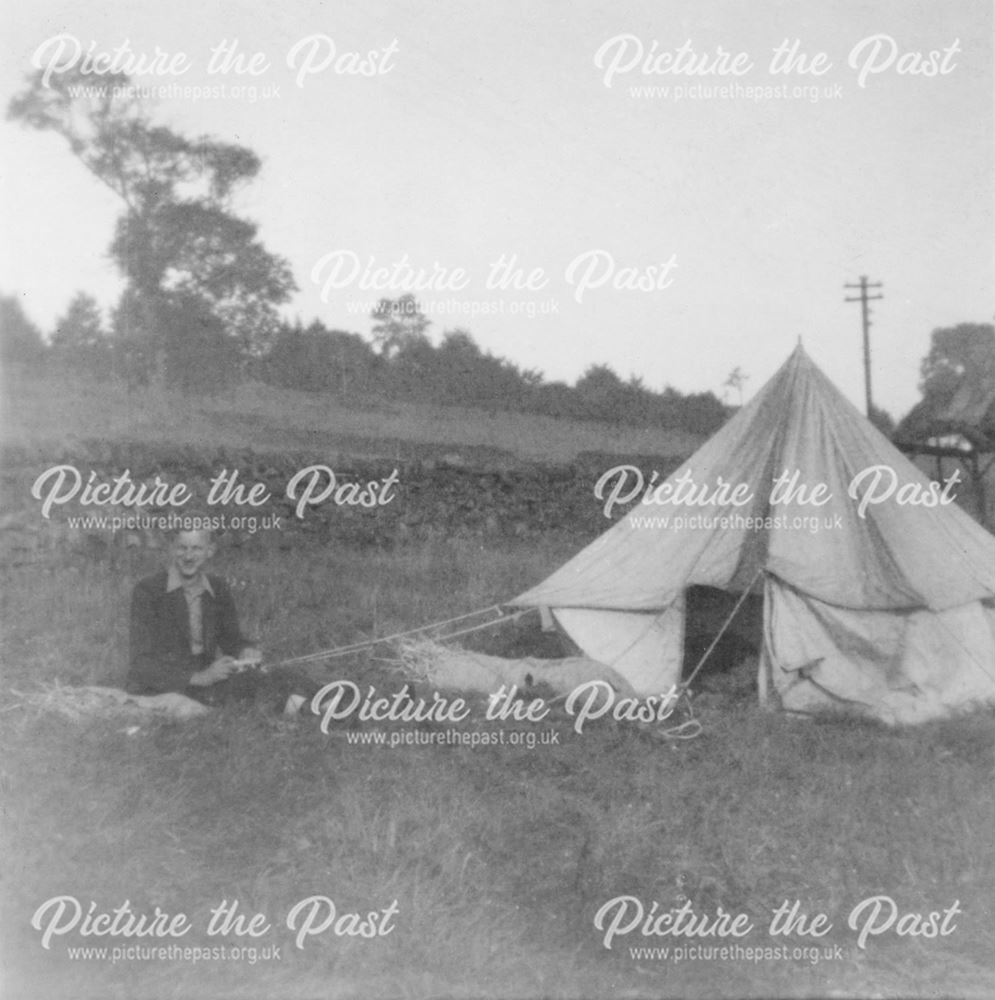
(878, 592)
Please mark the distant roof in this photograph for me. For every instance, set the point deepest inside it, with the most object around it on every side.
(974, 405)
(970, 415)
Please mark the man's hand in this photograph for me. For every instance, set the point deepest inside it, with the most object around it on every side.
(218, 671)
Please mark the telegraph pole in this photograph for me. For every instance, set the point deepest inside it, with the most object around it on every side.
(865, 312)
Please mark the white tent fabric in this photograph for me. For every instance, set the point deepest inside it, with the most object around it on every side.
(902, 667)
(893, 611)
(644, 647)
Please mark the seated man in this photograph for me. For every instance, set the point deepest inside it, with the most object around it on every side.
(185, 634)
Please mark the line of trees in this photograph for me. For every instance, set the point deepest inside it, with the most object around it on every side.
(400, 361)
(200, 308)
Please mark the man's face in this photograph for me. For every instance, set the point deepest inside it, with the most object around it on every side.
(190, 551)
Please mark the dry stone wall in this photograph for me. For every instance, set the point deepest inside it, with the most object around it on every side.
(429, 495)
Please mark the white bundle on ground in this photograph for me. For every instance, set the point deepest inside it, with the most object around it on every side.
(453, 667)
(77, 703)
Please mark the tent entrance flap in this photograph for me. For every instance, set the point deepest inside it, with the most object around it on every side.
(644, 647)
(902, 667)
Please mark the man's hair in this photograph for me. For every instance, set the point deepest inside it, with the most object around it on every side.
(172, 534)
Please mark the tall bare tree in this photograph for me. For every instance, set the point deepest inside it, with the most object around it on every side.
(178, 243)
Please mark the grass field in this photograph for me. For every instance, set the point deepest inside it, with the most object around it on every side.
(498, 857)
(42, 411)
(489, 864)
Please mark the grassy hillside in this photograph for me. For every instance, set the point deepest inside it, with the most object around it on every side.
(60, 410)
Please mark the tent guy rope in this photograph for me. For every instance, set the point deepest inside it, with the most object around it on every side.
(355, 647)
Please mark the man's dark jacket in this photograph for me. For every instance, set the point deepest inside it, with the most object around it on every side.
(160, 634)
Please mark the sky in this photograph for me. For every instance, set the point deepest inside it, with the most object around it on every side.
(679, 206)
